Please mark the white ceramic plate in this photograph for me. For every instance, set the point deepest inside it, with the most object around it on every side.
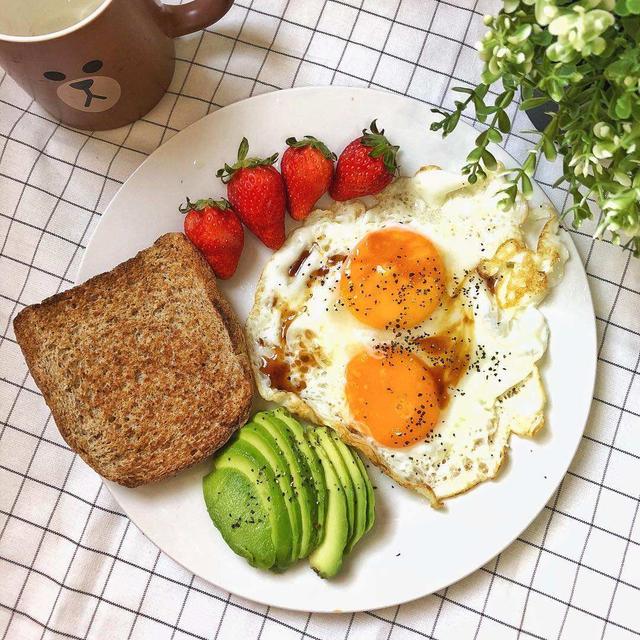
(413, 550)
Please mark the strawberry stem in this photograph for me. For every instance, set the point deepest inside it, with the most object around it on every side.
(203, 203)
(380, 147)
(311, 141)
(242, 162)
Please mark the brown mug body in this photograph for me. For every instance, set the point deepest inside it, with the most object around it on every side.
(111, 68)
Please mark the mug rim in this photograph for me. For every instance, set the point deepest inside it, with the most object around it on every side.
(61, 32)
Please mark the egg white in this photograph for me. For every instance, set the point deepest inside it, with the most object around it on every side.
(501, 390)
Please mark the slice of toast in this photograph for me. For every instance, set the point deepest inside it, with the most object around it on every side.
(144, 367)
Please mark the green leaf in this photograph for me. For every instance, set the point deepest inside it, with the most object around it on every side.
(463, 90)
(489, 160)
(494, 135)
(483, 112)
(532, 103)
(481, 90)
(475, 155)
(621, 8)
(549, 149)
(504, 123)
(542, 38)
(504, 99)
(451, 123)
(633, 6)
(481, 140)
(623, 106)
(526, 91)
(527, 186)
(243, 149)
(529, 165)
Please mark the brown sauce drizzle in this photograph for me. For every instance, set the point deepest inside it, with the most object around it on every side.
(449, 360)
(278, 370)
(276, 367)
(490, 281)
(298, 262)
(286, 318)
(331, 261)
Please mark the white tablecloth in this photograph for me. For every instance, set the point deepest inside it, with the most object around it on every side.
(73, 566)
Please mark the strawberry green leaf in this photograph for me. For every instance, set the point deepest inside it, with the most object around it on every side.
(203, 203)
(227, 172)
(311, 141)
(380, 147)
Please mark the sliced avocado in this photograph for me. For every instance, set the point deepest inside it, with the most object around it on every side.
(329, 445)
(303, 488)
(245, 503)
(239, 514)
(313, 462)
(255, 435)
(326, 558)
(360, 492)
(371, 497)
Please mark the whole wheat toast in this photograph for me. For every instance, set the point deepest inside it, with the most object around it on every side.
(144, 367)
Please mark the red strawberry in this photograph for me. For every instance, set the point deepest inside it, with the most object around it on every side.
(256, 191)
(216, 230)
(307, 169)
(366, 166)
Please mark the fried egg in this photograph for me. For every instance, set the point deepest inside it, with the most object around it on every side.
(411, 327)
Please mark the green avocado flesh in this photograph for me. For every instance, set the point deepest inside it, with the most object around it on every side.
(224, 489)
(266, 445)
(326, 559)
(303, 487)
(326, 441)
(226, 511)
(360, 491)
(371, 498)
(314, 466)
(280, 491)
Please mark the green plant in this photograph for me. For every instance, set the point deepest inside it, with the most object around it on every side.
(585, 56)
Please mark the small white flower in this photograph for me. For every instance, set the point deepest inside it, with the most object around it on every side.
(601, 152)
(602, 130)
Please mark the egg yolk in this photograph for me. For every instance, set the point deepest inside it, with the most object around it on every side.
(394, 278)
(393, 395)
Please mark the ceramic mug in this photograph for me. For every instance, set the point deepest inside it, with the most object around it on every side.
(111, 67)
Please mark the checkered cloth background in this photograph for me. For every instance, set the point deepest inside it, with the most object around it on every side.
(73, 566)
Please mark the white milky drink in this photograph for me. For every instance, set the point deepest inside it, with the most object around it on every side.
(39, 17)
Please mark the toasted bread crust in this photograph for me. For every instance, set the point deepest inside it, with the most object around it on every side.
(144, 367)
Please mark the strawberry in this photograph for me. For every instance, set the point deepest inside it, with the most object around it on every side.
(366, 166)
(307, 169)
(256, 192)
(216, 231)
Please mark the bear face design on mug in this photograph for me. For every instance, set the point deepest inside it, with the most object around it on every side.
(86, 91)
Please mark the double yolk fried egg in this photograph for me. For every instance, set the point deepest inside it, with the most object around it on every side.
(411, 327)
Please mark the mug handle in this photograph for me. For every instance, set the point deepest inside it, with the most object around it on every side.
(180, 19)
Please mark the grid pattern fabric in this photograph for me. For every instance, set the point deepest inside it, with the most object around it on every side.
(73, 566)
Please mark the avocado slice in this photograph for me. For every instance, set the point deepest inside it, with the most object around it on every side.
(223, 507)
(371, 497)
(246, 530)
(253, 434)
(317, 472)
(303, 488)
(360, 492)
(328, 444)
(326, 558)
